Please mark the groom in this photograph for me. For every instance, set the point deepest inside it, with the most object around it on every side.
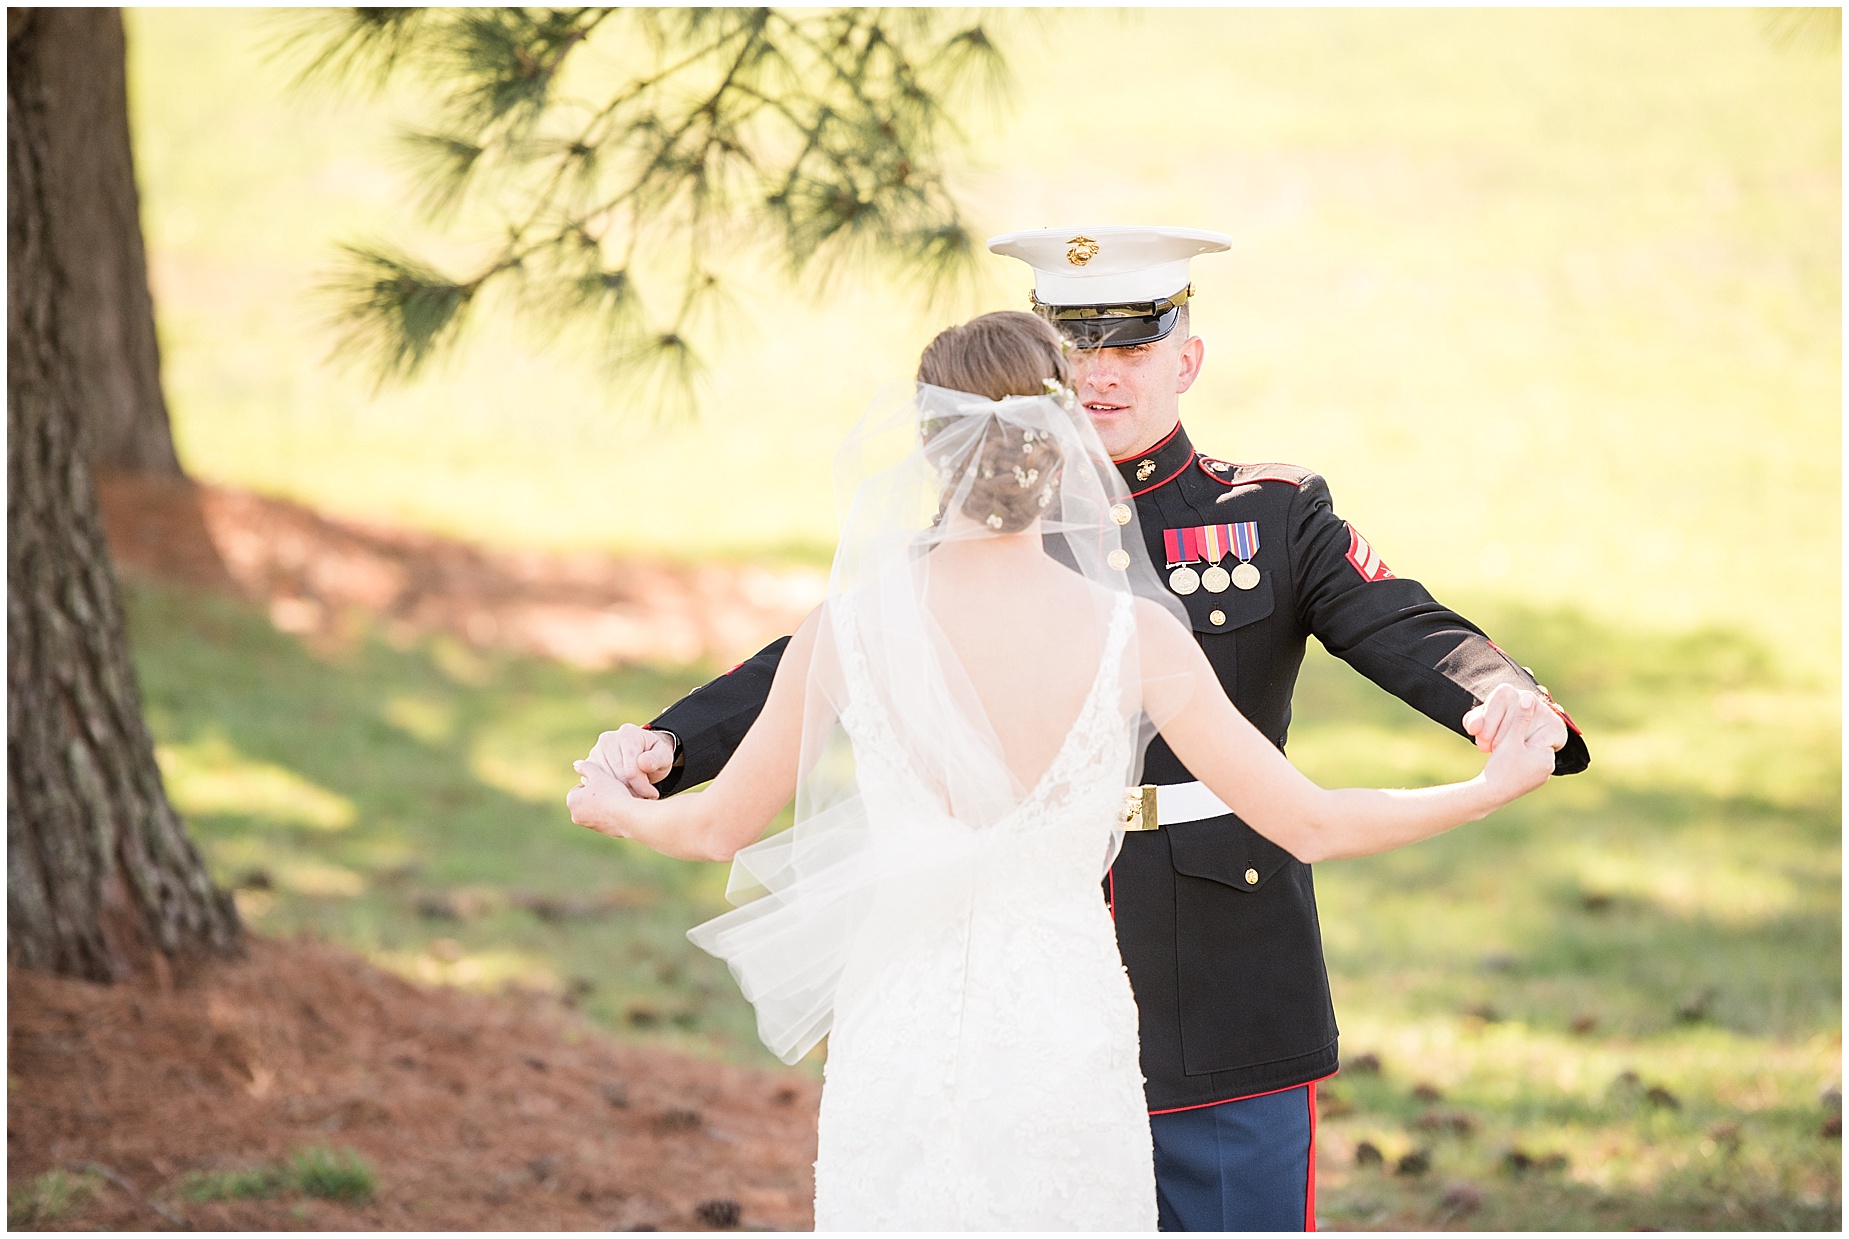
(1217, 925)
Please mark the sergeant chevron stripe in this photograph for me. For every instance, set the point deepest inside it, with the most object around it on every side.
(1365, 559)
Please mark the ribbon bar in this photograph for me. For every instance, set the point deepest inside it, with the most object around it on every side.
(1210, 543)
(1245, 539)
(1176, 543)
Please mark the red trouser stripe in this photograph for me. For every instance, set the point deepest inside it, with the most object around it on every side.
(1309, 1202)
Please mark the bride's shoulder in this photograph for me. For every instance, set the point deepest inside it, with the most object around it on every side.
(1153, 617)
(1102, 597)
(1164, 639)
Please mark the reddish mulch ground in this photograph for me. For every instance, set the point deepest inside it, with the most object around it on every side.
(474, 1113)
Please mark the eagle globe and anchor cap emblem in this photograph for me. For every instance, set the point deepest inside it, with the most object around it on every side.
(1109, 286)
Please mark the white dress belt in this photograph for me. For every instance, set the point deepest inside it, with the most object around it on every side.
(1153, 806)
(1187, 802)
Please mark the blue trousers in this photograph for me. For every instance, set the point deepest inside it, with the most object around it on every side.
(1240, 1165)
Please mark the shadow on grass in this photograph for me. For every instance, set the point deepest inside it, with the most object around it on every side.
(1639, 894)
(459, 862)
(1638, 969)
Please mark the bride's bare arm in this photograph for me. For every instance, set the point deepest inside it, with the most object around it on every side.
(757, 782)
(1312, 823)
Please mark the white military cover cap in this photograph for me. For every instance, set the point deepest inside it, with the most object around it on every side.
(1130, 282)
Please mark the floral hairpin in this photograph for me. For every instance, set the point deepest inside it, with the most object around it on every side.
(1060, 392)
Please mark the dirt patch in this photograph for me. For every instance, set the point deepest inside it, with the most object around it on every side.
(309, 570)
(473, 1113)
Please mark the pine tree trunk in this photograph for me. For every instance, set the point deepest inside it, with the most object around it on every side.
(100, 873)
(95, 238)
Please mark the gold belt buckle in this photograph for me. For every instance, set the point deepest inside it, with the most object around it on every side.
(1140, 808)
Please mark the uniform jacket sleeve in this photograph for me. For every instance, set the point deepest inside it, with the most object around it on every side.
(1394, 632)
(711, 721)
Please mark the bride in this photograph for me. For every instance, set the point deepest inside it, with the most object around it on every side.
(957, 723)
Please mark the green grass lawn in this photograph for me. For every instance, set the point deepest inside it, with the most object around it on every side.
(409, 802)
(1680, 901)
(1669, 920)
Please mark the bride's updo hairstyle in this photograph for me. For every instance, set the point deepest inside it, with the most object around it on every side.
(1007, 353)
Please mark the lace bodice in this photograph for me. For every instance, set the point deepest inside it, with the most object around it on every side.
(982, 1072)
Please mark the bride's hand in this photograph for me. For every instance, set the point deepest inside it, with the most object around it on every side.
(599, 801)
(1517, 728)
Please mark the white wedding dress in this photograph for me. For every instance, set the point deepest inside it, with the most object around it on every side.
(985, 1076)
(973, 709)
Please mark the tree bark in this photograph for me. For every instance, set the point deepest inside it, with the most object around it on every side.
(95, 238)
(100, 873)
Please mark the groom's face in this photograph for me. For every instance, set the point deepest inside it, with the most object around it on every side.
(1133, 393)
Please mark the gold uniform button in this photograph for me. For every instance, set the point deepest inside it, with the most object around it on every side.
(1251, 877)
(1120, 512)
(1118, 559)
(1217, 617)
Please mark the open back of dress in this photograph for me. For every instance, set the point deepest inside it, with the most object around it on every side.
(972, 717)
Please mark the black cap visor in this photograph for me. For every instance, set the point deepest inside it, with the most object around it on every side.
(1118, 331)
(1117, 326)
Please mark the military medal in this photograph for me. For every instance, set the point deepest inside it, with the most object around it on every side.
(1245, 546)
(1179, 545)
(1210, 544)
(1213, 542)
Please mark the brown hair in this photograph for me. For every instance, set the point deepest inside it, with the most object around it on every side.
(1006, 353)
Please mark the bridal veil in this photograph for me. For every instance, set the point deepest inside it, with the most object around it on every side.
(970, 653)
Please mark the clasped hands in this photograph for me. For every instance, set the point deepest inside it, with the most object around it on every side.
(1521, 732)
(1544, 724)
(624, 764)
(620, 769)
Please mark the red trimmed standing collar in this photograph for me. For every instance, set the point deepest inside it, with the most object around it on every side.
(1158, 466)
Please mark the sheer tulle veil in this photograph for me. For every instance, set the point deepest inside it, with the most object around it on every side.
(990, 562)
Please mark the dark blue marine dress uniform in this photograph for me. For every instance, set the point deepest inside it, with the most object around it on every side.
(1217, 924)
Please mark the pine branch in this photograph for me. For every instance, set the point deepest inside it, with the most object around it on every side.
(395, 311)
(1809, 29)
(363, 48)
(816, 135)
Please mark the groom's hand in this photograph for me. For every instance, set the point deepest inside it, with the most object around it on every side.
(1519, 757)
(1485, 721)
(638, 757)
